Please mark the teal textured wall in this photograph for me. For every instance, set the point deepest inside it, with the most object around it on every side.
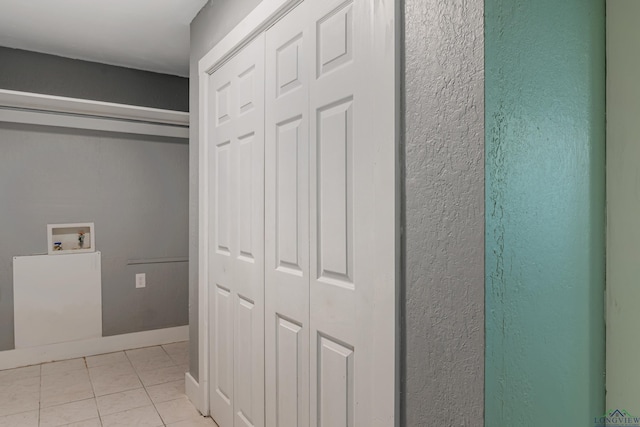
(545, 135)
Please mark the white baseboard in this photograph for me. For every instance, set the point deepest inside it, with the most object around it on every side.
(70, 350)
(192, 390)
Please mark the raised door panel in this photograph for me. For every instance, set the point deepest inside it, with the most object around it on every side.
(335, 384)
(287, 220)
(288, 140)
(246, 147)
(222, 215)
(289, 367)
(244, 379)
(334, 42)
(222, 108)
(223, 356)
(334, 193)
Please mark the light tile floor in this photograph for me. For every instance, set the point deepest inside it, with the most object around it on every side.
(133, 388)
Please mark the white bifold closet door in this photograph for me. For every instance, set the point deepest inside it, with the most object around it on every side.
(315, 318)
(236, 244)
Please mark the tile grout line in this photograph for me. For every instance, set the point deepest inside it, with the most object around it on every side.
(145, 388)
(175, 364)
(154, 403)
(93, 390)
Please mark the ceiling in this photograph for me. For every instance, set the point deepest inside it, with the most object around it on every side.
(149, 35)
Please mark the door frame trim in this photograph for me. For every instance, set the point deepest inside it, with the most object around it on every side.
(261, 18)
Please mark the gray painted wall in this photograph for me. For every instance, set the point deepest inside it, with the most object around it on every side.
(212, 23)
(134, 188)
(444, 213)
(54, 75)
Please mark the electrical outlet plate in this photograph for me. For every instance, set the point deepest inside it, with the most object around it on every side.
(141, 280)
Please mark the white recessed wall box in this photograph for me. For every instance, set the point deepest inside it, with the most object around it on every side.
(70, 238)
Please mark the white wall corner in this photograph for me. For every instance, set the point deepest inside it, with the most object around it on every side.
(193, 392)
